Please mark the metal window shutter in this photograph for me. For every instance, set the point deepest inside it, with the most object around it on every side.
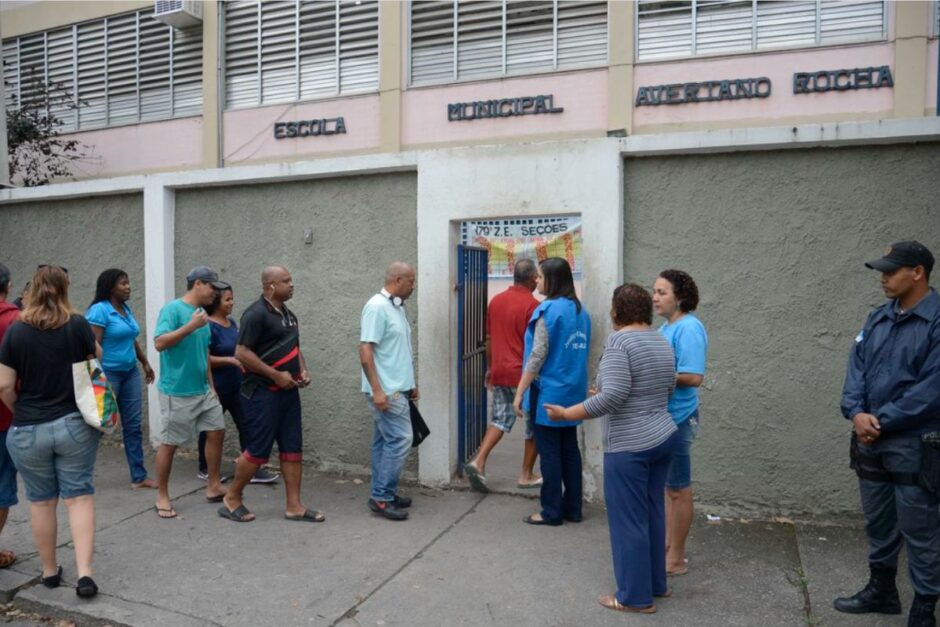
(121, 65)
(154, 72)
(786, 23)
(432, 41)
(841, 20)
(187, 71)
(358, 45)
(278, 51)
(723, 26)
(92, 71)
(60, 60)
(479, 38)
(530, 40)
(664, 29)
(241, 53)
(32, 56)
(317, 49)
(936, 18)
(582, 33)
(11, 73)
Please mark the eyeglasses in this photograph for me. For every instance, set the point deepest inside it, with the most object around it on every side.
(48, 265)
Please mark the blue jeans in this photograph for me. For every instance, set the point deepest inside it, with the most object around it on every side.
(128, 390)
(560, 463)
(896, 514)
(634, 491)
(7, 475)
(55, 458)
(391, 443)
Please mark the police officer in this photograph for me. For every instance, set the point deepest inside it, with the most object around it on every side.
(892, 396)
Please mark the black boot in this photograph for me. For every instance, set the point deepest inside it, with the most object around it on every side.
(880, 595)
(923, 611)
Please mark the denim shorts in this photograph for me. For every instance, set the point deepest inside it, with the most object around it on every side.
(7, 475)
(680, 467)
(55, 459)
(504, 418)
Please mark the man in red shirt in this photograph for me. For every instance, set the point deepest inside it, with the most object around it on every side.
(506, 320)
(8, 315)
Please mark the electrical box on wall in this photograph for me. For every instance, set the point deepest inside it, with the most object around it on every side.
(178, 13)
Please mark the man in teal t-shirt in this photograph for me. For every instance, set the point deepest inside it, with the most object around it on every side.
(188, 402)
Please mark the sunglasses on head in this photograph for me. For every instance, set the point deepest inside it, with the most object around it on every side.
(48, 265)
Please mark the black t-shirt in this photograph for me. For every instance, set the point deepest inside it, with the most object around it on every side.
(273, 336)
(43, 363)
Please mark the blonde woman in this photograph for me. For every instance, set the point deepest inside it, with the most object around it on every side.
(52, 447)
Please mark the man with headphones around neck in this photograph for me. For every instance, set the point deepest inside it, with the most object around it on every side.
(269, 349)
(388, 381)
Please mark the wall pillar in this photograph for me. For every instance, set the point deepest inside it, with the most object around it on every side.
(391, 36)
(211, 120)
(911, 29)
(620, 28)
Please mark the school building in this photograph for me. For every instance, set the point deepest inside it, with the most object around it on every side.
(768, 148)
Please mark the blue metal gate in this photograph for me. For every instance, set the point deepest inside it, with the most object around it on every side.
(472, 278)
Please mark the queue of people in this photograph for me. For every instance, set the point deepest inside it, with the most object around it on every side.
(646, 393)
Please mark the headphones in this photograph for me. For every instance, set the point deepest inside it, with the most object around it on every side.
(396, 301)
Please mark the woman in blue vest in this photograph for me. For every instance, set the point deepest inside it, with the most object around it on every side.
(116, 330)
(557, 341)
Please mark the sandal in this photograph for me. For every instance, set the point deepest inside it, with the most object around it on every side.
(165, 512)
(475, 477)
(610, 602)
(532, 520)
(239, 514)
(215, 499)
(308, 516)
(7, 559)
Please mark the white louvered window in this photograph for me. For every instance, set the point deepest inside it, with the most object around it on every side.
(123, 69)
(453, 40)
(681, 28)
(290, 50)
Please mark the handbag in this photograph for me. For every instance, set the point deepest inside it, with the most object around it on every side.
(418, 427)
(93, 394)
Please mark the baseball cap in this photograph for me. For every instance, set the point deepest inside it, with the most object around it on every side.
(206, 275)
(907, 254)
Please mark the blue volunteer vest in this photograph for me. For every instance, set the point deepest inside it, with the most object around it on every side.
(563, 379)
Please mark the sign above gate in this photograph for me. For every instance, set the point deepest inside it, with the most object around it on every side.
(536, 238)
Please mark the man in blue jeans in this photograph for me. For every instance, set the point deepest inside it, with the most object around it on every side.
(388, 381)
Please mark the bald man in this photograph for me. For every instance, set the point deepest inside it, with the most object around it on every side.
(388, 381)
(269, 349)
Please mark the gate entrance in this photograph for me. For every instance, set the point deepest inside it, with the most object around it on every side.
(472, 279)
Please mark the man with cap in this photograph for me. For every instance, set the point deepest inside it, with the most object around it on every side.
(8, 315)
(188, 402)
(892, 396)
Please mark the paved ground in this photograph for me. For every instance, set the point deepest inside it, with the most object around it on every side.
(462, 559)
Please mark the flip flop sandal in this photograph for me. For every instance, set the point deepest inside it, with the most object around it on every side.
(161, 511)
(534, 484)
(477, 480)
(308, 516)
(238, 515)
(215, 499)
(610, 602)
(532, 520)
(7, 559)
(678, 572)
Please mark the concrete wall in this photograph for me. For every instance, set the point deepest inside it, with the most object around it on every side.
(776, 243)
(360, 224)
(86, 235)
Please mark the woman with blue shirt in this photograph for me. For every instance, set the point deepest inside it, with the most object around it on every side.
(116, 330)
(675, 297)
(555, 371)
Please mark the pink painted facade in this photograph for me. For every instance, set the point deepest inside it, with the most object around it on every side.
(782, 103)
(583, 95)
(248, 134)
(133, 149)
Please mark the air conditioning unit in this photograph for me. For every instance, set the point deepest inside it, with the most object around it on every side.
(178, 13)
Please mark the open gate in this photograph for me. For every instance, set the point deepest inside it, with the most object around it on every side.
(472, 278)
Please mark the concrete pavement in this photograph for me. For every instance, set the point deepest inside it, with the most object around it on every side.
(462, 559)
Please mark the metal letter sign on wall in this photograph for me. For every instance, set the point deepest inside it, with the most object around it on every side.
(842, 80)
(705, 91)
(309, 128)
(502, 108)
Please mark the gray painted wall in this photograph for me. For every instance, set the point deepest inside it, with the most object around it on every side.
(776, 242)
(360, 224)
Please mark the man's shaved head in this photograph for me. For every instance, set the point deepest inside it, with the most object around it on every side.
(400, 279)
(271, 273)
(397, 269)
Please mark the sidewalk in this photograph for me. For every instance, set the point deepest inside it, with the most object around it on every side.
(462, 559)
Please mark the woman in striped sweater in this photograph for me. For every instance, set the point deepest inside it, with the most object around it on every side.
(636, 375)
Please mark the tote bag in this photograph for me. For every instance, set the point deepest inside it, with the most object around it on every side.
(93, 394)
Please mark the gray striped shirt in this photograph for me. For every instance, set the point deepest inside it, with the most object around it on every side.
(636, 376)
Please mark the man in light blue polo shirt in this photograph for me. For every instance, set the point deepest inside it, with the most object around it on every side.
(388, 381)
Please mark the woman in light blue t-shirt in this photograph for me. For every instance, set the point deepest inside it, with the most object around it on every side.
(675, 297)
(116, 329)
